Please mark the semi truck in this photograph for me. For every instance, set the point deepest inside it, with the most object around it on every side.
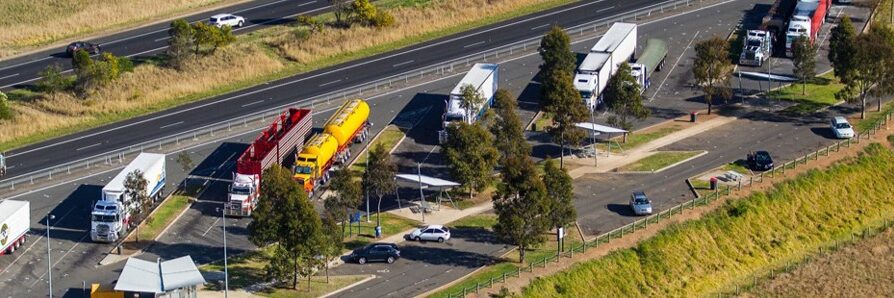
(2, 165)
(350, 124)
(484, 77)
(651, 60)
(280, 140)
(757, 48)
(112, 214)
(615, 47)
(15, 222)
(807, 20)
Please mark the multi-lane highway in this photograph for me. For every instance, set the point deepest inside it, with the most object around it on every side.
(295, 89)
(153, 39)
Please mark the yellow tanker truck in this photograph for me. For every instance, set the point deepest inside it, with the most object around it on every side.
(348, 125)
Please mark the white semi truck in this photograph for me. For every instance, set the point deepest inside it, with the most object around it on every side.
(2, 165)
(15, 222)
(484, 77)
(615, 47)
(650, 60)
(113, 214)
(757, 48)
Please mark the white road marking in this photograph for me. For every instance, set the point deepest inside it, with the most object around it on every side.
(307, 3)
(211, 226)
(473, 44)
(61, 258)
(89, 146)
(163, 38)
(403, 63)
(29, 62)
(604, 9)
(694, 36)
(9, 76)
(330, 83)
(34, 242)
(169, 125)
(253, 103)
(538, 27)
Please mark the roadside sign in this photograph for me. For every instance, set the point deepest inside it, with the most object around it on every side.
(561, 233)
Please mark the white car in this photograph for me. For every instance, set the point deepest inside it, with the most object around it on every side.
(841, 128)
(430, 233)
(226, 19)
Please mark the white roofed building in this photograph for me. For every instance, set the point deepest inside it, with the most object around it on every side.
(177, 278)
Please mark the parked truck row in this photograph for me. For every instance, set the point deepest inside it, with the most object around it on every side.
(785, 22)
(113, 214)
(484, 77)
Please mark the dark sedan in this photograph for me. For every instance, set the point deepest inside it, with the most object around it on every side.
(760, 161)
(383, 252)
(91, 48)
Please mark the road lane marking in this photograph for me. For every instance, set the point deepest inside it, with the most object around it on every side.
(90, 146)
(538, 27)
(61, 258)
(604, 9)
(403, 63)
(9, 76)
(694, 36)
(253, 103)
(473, 44)
(29, 62)
(169, 125)
(163, 38)
(330, 83)
(211, 226)
(307, 3)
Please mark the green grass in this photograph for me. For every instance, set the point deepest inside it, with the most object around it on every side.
(478, 221)
(163, 216)
(318, 287)
(874, 118)
(659, 161)
(738, 167)
(747, 236)
(636, 139)
(819, 93)
(388, 138)
(365, 232)
(543, 122)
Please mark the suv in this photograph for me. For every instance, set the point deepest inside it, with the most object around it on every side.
(430, 233)
(386, 252)
(760, 161)
(226, 19)
(841, 128)
(640, 204)
(90, 47)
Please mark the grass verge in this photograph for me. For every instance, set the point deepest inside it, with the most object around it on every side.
(388, 138)
(659, 161)
(817, 94)
(363, 233)
(164, 215)
(637, 139)
(745, 236)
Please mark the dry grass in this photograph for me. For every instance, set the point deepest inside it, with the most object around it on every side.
(29, 23)
(865, 269)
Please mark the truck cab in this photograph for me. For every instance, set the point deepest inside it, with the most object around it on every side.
(109, 221)
(243, 195)
(796, 29)
(2, 166)
(757, 48)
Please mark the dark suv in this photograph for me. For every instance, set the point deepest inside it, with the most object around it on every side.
(760, 161)
(385, 252)
(91, 48)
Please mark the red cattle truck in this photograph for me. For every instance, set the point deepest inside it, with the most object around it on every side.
(284, 137)
(807, 20)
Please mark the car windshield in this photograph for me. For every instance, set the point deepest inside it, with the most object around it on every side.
(213, 20)
(453, 118)
(241, 190)
(640, 199)
(586, 94)
(762, 157)
(842, 126)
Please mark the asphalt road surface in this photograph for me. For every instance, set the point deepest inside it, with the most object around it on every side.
(153, 39)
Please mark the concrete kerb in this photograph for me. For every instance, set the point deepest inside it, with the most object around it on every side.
(336, 292)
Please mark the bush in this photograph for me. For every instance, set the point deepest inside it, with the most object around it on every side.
(382, 19)
(5, 109)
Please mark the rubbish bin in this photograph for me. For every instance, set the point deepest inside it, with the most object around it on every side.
(713, 183)
(378, 231)
(693, 116)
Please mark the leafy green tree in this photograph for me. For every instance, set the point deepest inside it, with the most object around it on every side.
(379, 176)
(555, 51)
(521, 205)
(287, 220)
(363, 12)
(568, 109)
(222, 36)
(469, 101)
(712, 69)
(204, 35)
(508, 131)
(331, 242)
(341, 10)
(135, 186)
(560, 193)
(870, 64)
(471, 155)
(804, 59)
(5, 110)
(624, 99)
(347, 196)
(53, 81)
(84, 70)
(181, 43)
(841, 46)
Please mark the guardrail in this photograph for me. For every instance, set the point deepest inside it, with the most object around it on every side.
(120, 156)
(718, 193)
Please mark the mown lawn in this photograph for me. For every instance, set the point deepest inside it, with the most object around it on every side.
(163, 216)
(659, 161)
(819, 93)
(388, 139)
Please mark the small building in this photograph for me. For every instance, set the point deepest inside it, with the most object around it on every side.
(177, 278)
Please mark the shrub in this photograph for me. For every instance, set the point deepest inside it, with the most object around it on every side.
(5, 109)
(383, 19)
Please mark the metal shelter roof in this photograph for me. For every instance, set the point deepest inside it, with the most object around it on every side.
(429, 181)
(599, 128)
(158, 277)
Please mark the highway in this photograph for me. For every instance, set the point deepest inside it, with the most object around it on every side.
(295, 90)
(153, 39)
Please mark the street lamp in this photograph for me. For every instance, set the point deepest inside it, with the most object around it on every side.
(49, 256)
(226, 271)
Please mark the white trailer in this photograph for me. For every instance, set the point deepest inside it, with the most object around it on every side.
(615, 47)
(15, 222)
(2, 165)
(484, 77)
(111, 216)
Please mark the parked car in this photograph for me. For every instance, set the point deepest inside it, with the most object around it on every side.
(760, 161)
(841, 128)
(430, 233)
(640, 203)
(384, 252)
(226, 19)
(90, 47)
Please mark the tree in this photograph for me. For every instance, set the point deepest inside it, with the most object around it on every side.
(204, 35)
(521, 205)
(624, 99)
(363, 12)
(347, 195)
(470, 101)
(568, 109)
(222, 37)
(331, 242)
(804, 59)
(555, 51)
(181, 43)
(5, 110)
(712, 69)
(841, 46)
(870, 64)
(471, 155)
(341, 10)
(53, 81)
(560, 193)
(379, 176)
(84, 70)
(508, 131)
(288, 221)
(185, 161)
(135, 188)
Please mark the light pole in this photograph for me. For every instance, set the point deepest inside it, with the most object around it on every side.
(226, 271)
(49, 256)
(365, 187)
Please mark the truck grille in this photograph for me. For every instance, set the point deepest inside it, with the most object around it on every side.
(102, 230)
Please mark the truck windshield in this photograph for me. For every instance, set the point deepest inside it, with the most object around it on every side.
(104, 218)
(754, 43)
(241, 191)
(453, 118)
(303, 170)
(586, 94)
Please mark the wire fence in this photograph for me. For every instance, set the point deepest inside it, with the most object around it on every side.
(216, 131)
(717, 193)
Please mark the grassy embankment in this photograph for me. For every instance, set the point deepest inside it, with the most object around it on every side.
(746, 236)
(658, 161)
(820, 93)
(261, 56)
(389, 138)
(29, 24)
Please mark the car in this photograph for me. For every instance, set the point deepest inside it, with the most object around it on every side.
(90, 47)
(430, 233)
(226, 19)
(384, 252)
(841, 128)
(640, 203)
(760, 161)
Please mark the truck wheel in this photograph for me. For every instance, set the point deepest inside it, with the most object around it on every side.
(12, 249)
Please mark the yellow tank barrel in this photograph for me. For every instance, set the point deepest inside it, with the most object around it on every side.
(347, 120)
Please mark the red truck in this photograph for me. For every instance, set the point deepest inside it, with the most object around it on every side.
(807, 21)
(284, 137)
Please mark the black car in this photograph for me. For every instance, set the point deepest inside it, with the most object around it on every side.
(386, 252)
(91, 48)
(760, 161)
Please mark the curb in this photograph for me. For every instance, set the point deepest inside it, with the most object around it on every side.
(336, 292)
(692, 188)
